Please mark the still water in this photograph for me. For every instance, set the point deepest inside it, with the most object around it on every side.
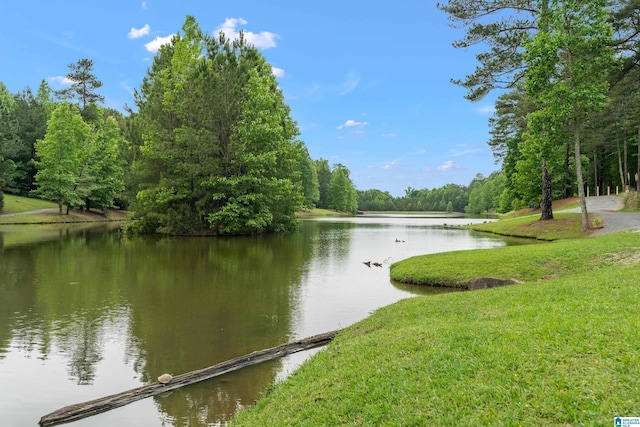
(86, 312)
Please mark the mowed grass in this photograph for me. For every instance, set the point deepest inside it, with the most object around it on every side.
(524, 263)
(555, 352)
(27, 213)
(550, 353)
(316, 212)
(562, 226)
(17, 204)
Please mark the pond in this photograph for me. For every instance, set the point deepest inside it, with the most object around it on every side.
(86, 312)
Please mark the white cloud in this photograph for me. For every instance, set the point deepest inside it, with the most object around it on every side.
(352, 123)
(487, 109)
(390, 165)
(154, 45)
(462, 150)
(136, 33)
(144, 5)
(350, 83)
(388, 135)
(262, 40)
(278, 72)
(61, 80)
(448, 166)
(126, 87)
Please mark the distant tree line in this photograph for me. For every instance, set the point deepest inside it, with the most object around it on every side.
(483, 194)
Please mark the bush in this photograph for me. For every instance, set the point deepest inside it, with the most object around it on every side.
(148, 224)
(630, 199)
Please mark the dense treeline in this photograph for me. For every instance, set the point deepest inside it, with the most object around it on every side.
(570, 82)
(481, 195)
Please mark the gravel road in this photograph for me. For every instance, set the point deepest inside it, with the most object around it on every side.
(606, 208)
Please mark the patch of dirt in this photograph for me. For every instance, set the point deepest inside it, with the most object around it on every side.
(620, 258)
(560, 223)
(556, 204)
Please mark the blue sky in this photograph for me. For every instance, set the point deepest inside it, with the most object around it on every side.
(368, 82)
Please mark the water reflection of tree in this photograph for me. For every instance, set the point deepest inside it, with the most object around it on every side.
(197, 302)
(17, 297)
(85, 352)
(191, 303)
(54, 287)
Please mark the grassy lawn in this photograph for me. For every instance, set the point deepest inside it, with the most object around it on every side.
(19, 205)
(559, 349)
(16, 204)
(315, 212)
(562, 226)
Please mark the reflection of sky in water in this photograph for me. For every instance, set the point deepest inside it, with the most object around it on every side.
(339, 290)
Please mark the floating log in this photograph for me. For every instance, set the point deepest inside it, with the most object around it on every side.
(93, 407)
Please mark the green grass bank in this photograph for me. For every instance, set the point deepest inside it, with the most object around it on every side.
(25, 210)
(559, 349)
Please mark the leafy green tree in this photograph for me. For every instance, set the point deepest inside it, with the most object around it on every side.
(265, 190)
(60, 156)
(569, 60)
(84, 86)
(104, 173)
(32, 113)
(449, 207)
(309, 176)
(342, 192)
(375, 200)
(324, 179)
(9, 141)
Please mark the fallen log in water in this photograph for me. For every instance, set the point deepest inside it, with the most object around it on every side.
(103, 404)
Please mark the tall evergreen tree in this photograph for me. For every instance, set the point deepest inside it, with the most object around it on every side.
(503, 65)
(217, 154)
(83, 88)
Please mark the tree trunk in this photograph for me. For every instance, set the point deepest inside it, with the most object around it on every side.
(595, 166)
(620, 164)
(547, 198)
(583, 201)
(638, 173)
(568, 190)
(627, 178)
